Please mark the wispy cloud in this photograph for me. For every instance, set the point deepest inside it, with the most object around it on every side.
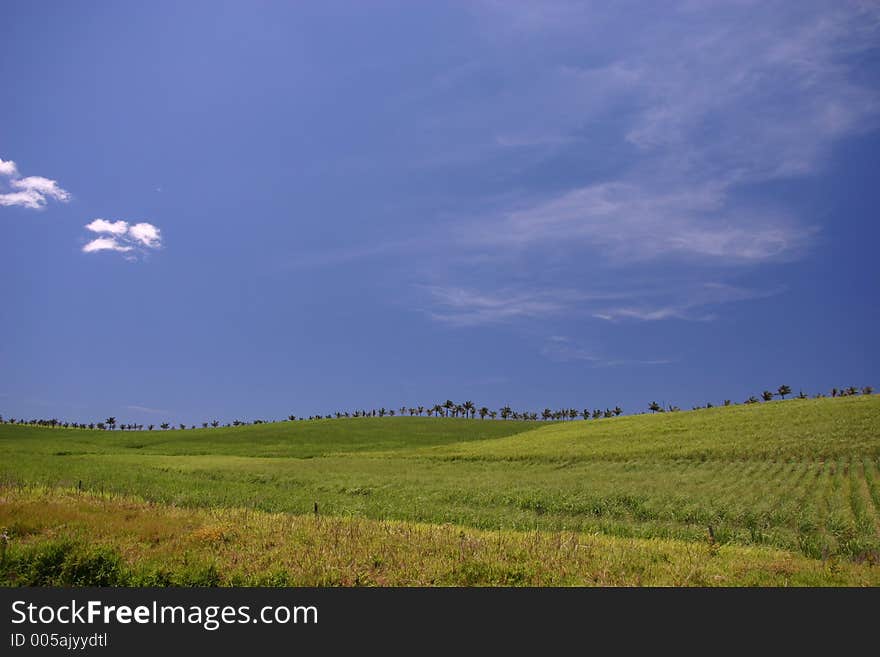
(624, 221)
(468, 307)
(122, 237)
(562, 349)
(706, 104)
(686, 301)
(693, 303)
(660, 140)
(29, 192)
(147, 409)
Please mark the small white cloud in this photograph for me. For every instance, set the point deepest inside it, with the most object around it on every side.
(30, 192)
(104, 226)
(8, 168)
(43, 186)
(105, 244)
(146, 234)
(30, 199)
(123, 237)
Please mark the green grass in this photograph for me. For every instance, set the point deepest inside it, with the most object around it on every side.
(68, 538)
(801, 476)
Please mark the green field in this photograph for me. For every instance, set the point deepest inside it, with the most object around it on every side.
(795, 480)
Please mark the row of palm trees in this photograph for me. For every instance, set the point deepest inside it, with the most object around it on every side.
(768, 395)
(469, 410)
(447, 409)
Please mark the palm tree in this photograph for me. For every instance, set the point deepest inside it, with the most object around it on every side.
(654, 407)
(110, 422)
(469, 408)
(867, 390)
(493, 414)
(751, 400)
(766, 395)
(164, 425)
(420, 409)
(449, 405)
(505, 412)
(483, 412)
(617, 410)
(585, 413)
(783, 390)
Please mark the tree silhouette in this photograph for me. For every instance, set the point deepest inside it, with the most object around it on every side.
(110, 422)
(766, 395)
(783, 390)
(654, 407)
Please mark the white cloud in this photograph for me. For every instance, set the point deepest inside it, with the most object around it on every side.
(146, 234)
(29, 199)
(42, 186)
(125, 238)
(105, 244)
(30, 192)
(104, 226)
(8, 168)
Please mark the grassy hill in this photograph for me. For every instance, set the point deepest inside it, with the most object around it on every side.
(800, 477)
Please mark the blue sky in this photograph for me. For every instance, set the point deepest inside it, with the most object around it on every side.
(245, 210)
